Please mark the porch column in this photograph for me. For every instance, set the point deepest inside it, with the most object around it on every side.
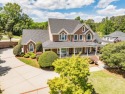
(43, 49)
(74, 51)
(87, 50)
(60, 52)
(96, 50)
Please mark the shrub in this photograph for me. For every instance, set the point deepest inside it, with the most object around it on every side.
(47, 58)
(17, 50)
(22, 54)
(26, 55)
(33, 56)
(37, 57)
(39, 47)
(30, 53)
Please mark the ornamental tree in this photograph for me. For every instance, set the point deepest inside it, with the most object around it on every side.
(73, 78)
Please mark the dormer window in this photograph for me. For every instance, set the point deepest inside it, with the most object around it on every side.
(63, 37)
(89, 36)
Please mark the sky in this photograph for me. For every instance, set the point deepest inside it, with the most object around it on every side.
(41, 10)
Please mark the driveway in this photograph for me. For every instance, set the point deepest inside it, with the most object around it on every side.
(19, 78)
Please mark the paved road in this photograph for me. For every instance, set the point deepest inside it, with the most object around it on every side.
(17, 77)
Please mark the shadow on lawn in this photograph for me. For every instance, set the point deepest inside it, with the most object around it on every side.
(116, 71)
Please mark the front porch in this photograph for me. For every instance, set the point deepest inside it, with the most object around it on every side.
(66, 52)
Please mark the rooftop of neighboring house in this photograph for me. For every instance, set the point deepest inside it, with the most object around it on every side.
(117, 34)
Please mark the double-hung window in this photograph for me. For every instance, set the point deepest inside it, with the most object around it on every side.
(80, 37)
(75, 37)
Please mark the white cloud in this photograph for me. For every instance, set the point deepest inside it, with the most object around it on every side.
(104, 3)
(38, 15)
(111, 10)
(44, 15)
(52, 4)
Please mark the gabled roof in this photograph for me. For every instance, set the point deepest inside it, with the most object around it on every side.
(35, 35)
(68, 24)
(118, 34)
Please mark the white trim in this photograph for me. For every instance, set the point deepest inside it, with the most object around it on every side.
(87, 37)
(31, 44)
(89, 29)
(30, 41)
(61, 36)
(83, 28)
(79, 37)
(77, 29)
(62, 31)
(74, 37)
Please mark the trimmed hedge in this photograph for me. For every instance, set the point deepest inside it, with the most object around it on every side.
(17, 50)
(47, 58)
(39, 47)
(26, 55)
(33, 56)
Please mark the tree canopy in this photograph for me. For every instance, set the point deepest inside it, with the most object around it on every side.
(13, 19)
(73, 78)
(114, 55)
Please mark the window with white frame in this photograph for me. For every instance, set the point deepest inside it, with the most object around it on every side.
(75, 37)
(63, 37)
(80, 37)
(31, 47)
(89, 36)
(83, 29)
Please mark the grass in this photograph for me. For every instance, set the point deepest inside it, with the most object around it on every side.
(107, 83)
(32, 62)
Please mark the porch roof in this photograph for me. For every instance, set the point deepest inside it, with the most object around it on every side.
(50, 44)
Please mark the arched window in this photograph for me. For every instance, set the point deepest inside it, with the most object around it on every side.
(63, 37)
(89, 36)
(31, 47)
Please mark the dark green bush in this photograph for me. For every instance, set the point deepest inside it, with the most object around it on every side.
(47, 58)
(39, 47)
(33, 56)
(26, 55)
(17, 50)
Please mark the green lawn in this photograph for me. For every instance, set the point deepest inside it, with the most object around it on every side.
(107, 83)
(29, 61)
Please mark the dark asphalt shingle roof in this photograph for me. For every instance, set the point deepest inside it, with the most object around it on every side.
(50, 44)
(96, 37)
(36, 35)
(68, 24)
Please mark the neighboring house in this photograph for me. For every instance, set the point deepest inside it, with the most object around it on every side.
(113, 37)
(64, 36)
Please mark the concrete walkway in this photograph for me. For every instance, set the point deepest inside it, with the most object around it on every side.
(17, 77)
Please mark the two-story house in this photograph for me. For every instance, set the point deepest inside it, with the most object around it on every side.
(64, 37)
